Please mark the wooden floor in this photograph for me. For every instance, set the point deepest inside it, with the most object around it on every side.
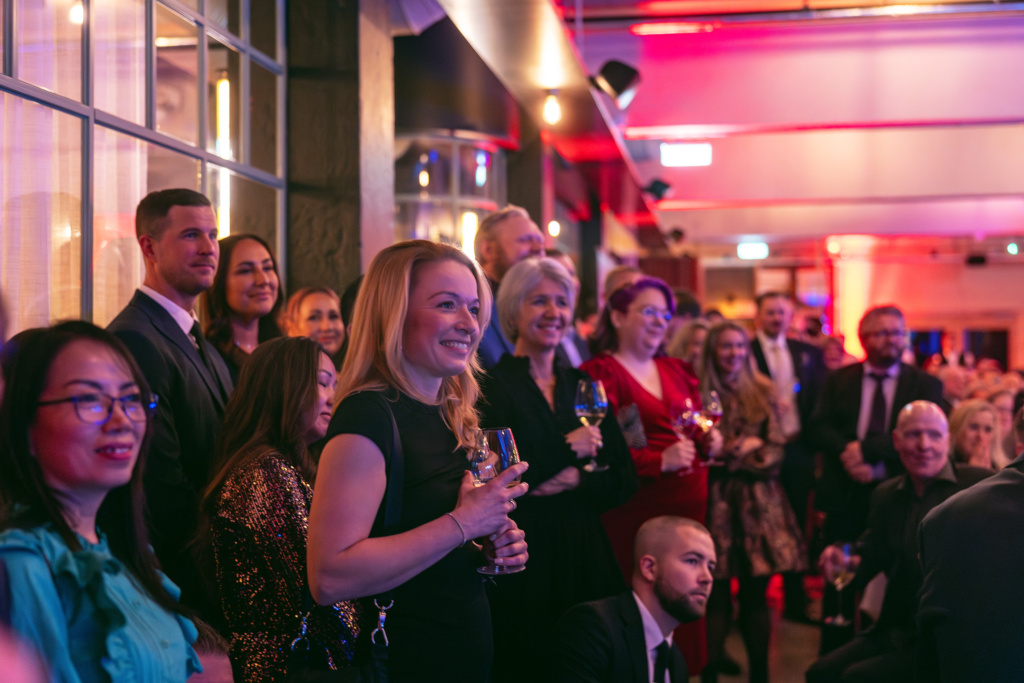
(793, 646)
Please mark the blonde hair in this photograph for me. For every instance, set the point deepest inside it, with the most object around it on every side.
(754, 392)
(679, 345)
(958, 419)
(375, 359)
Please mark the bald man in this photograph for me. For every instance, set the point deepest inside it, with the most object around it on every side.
(971, 614)
(889, 544)
(628, 638)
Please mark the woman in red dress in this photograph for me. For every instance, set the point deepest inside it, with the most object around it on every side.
(647, 389)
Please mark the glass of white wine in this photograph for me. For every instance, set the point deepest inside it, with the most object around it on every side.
(591, 407)
(495, 452)
(843, 571)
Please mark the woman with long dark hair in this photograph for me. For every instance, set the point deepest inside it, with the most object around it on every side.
(257, 506)
(755, 531)
(85, 590)
(241, 309)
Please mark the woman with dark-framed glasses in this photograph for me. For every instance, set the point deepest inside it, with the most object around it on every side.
(85, 590)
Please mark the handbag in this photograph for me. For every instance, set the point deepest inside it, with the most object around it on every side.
(308, 659)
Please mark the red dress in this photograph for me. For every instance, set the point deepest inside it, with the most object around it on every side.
(660, 493)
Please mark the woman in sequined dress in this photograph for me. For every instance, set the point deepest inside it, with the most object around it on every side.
(257, 507)
(412, 355)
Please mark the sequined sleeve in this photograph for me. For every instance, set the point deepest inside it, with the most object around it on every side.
(259, 543)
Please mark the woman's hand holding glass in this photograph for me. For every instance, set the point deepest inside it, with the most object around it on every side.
(483, 509)
(585, 442)
(679, 457)
(507, 548)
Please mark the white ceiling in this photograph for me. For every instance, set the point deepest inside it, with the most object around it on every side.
(889, 126)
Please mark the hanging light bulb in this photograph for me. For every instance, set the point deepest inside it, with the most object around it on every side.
(552, 109)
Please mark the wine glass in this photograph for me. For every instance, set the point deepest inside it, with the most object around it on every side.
(495, 452)
(712, 410)
(693, 425)
(591, 407)
(842, 574)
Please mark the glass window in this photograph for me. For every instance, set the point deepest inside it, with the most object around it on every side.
(263, 118)
(50, 45)
(422, 167)
(227, 13)
(224, 87)
(425, 221)
(131, 168)
(263, 26)
(177, 76)
(478, 174)
(119, 56)
(41, 215)
(243, 205)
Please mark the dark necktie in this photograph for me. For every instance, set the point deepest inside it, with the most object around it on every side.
(204, 354)
(876, 424)
(661, 661)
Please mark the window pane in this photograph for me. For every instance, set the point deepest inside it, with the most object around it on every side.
(426, 221)
(227, 13)
(263, 118)
(131, 168)
(224, 86)
(49, 40)
(422, 167)
(41, 215)
(119, 53)
(243, 205)
(177, 76)
(263, 26)
(478, 172)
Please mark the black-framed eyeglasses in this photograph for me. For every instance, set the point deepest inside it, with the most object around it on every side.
(96, 408)
(890, 334)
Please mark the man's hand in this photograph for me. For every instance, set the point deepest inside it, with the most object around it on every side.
(851, 457)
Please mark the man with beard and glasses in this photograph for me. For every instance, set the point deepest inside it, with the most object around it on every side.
(628, 638)
(852, 429)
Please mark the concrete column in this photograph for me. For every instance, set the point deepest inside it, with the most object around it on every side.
(340, 140)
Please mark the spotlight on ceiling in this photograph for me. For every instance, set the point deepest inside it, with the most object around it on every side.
(619, 81)
(658, 189)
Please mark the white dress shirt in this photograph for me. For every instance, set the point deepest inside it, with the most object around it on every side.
(185, 319)
(780, 365)
(653, 637)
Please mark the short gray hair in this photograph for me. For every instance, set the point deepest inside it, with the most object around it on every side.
(522, 278)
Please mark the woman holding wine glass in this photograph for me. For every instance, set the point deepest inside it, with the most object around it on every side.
(755, 531)
(534, 393)
(407, 394)
(647, 390)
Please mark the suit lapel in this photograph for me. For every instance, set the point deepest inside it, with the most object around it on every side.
(168, 328)
(904, 393)
(633, 627)
(762, 362)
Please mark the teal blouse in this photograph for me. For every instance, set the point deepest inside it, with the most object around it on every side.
(87, 616)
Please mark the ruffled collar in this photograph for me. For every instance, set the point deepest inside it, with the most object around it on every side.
(87, 569)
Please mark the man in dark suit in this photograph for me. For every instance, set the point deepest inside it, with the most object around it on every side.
(177, 232)
(852, 426)
(971, 613)
(628, 638)
(798, 371)
(889, 544)
(503, 239)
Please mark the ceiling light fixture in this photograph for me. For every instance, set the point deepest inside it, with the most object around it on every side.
(685, 154)
(619, 81)
(670, 28)
(752, 251)
(552, 112)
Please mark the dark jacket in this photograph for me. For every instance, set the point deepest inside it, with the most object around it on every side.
(603, 642)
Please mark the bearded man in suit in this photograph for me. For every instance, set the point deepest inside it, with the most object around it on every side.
(627, 638)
